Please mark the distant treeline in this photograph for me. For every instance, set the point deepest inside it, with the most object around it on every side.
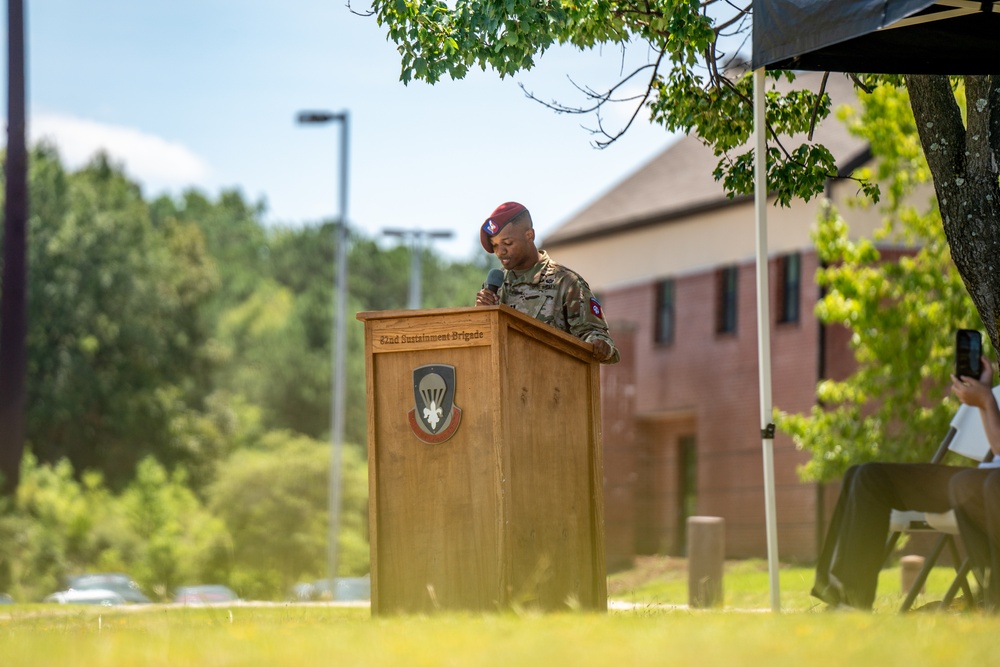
(178, 386)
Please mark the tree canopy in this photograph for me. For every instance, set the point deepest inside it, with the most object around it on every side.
(154, 326)
(178, 402)
(901, 307)
(695, 84)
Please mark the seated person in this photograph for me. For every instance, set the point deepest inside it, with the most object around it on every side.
(854, 549)
(975, 495)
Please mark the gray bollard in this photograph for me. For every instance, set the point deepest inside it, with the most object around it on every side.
(910, 567)
(706, 543)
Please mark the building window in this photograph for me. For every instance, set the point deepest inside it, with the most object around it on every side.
(728, 281)
(791, 281)
(665, 312)
(687, 488)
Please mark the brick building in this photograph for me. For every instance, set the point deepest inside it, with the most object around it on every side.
(673, 261)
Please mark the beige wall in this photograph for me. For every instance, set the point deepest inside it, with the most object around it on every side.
(700, 242)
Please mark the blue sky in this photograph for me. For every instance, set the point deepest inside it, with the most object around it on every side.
(205, 93)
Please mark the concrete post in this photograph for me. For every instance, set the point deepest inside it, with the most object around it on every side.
(909, 567)
(706, 540)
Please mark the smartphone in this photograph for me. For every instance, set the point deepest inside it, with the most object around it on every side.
(968, 352)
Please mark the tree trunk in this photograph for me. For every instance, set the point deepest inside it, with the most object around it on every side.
(963, 162)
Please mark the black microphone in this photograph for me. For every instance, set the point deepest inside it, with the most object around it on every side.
(494, 279)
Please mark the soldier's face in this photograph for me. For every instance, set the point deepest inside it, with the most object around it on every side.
(514, 246)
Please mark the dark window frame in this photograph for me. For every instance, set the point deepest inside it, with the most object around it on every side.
(665, 314)
(727, 299)
(790, 289)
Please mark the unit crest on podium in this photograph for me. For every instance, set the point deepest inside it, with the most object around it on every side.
(435, 417)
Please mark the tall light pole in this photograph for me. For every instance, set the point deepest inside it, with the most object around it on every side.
(416, 238)
(339, 344)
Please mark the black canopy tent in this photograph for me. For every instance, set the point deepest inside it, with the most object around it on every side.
(885, 36)
(872, 36)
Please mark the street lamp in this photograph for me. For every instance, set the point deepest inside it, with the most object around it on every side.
(416, 238)
(338, 353)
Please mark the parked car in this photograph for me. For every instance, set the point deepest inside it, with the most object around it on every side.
(345, 589)
(88, 596)
(205, 594)
(303, 591)
(109, 581)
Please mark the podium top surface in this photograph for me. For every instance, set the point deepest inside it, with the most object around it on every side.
(380, 318)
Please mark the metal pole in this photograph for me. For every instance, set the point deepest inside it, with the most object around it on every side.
(764, 332)
(338, 347)
(339, 361)
(416, 252)
(416, 242)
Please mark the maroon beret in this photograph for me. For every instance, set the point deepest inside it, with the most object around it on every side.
(505, 213)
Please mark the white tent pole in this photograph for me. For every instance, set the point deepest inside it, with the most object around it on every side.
(764, 330)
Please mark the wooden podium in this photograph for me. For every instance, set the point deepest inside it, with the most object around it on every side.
(484, 460)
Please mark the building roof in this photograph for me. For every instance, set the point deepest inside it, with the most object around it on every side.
(678, 182)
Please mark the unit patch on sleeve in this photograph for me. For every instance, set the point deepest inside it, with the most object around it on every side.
(595, 308)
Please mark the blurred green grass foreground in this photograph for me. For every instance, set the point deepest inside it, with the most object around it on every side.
(648, 623)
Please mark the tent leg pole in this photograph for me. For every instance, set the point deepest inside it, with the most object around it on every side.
(764, 330)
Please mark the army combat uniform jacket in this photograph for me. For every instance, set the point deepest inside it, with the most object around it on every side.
(557, 296)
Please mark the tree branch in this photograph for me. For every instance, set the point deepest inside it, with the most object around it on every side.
(370, 12)
(600, 99)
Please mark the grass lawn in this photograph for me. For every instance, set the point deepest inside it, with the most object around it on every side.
(655, 630)
(657, 580)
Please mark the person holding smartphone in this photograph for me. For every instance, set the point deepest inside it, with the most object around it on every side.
(975, 493)
(853, 551)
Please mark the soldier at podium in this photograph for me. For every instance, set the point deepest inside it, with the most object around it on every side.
(537, 286)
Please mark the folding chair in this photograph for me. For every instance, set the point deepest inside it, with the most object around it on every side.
(967, 438)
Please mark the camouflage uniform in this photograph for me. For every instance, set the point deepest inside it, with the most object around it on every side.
(558, 296)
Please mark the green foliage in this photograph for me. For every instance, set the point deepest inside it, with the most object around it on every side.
(178, 541)
(278, 337)
(111, 317)
(207, 435)
(274, 501)
(57, 526)
(698, 85)
(179, 350)
(902, 315)
(274, 367)
(233, 236)
(694, 88)
(264, 528)
(435, 40)
(51, 520)
(722, 117)
(453, 284)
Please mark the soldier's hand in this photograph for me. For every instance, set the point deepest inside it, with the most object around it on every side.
(602, 351)
(485, 297)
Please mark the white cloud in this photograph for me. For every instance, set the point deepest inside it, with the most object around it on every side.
(156, 162)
